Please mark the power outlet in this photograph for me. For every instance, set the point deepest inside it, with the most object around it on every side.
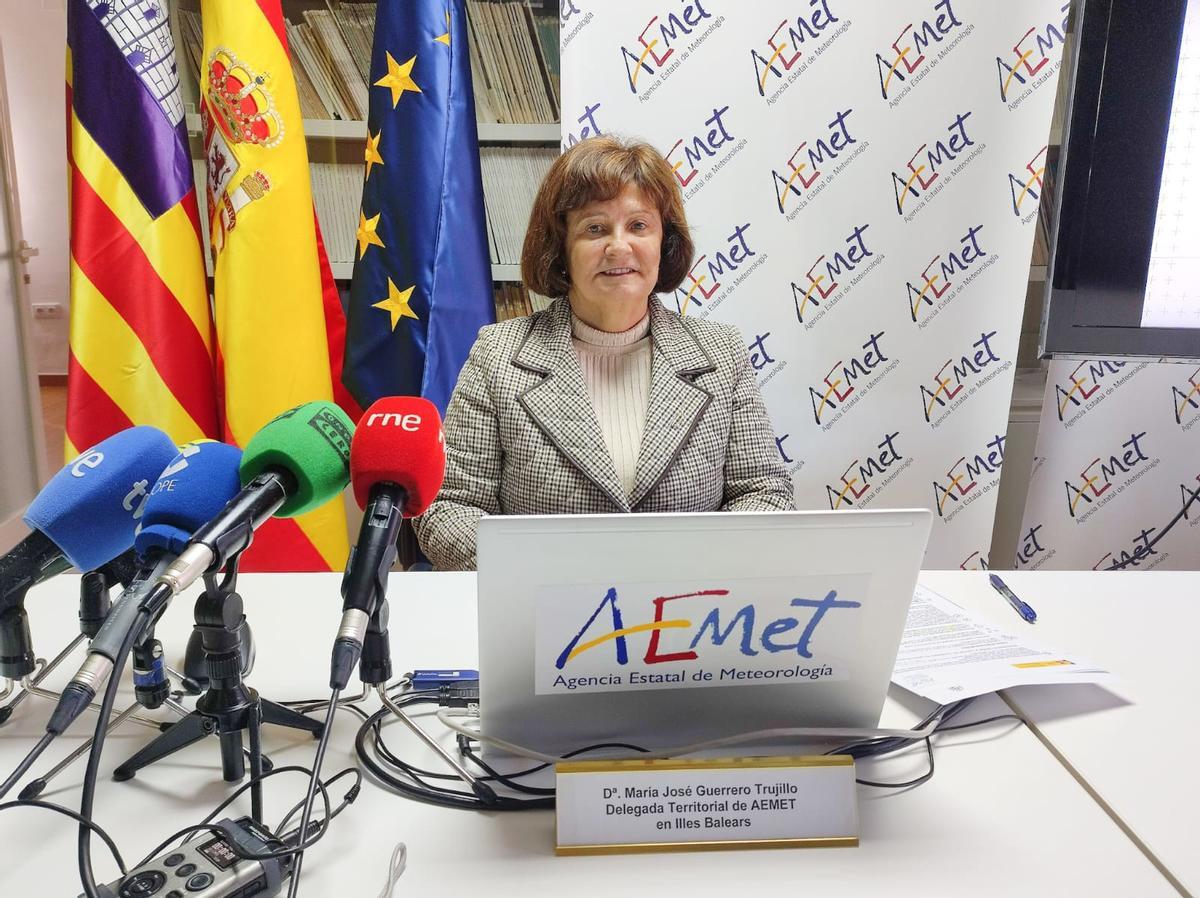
(47, 310)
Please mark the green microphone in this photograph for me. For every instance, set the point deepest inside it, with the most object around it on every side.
(295, 463)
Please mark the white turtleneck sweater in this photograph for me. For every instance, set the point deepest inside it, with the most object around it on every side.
(616, 370)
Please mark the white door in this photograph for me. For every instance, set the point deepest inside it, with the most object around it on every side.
(21, 449)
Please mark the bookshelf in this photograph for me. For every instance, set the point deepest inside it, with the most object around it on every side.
(518, 131)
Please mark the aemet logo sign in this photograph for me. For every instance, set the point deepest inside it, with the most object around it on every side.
(1102, 479)
(930, 292)
(1090, 383)
(714, 275)
(957, 380)
(696, 157)
(677, 636)
(866, 476)
(814, 163)
(664, 43)
(1025, 186)
(832, 275)
(850, 378)
(1185, 400)
(793, 45)
(1028, 66)
(933, 165)
(919, 47)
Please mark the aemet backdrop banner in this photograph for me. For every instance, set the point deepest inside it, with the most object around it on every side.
(1118, 447)
(862, 181)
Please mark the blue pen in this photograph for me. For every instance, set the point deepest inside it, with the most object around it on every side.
(1020, 607)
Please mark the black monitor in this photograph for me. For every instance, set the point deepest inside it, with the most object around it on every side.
(1124, 272)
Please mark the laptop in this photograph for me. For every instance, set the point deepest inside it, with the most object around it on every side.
(661, 630)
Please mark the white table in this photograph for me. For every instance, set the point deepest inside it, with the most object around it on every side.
(1001, 817)
(1134, 745)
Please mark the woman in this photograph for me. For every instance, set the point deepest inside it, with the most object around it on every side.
(605, 401)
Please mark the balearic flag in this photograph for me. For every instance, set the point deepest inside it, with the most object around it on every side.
(141, 344)
(422, 278)
(277, 315)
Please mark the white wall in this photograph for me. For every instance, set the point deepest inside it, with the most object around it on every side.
(33, 33)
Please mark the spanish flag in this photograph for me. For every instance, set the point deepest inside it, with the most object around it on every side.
(280, 325)
(141, 344)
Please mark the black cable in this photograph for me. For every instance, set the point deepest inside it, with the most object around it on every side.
(76, 816)
(350, 796)
(24, 766)
(313, 781)
(976, 723)
(441, 797)
(923, 778)
(86, 876)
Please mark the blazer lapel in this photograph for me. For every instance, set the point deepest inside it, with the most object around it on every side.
(676, 402)
(559, 404)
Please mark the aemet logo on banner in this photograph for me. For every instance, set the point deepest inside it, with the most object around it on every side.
(1101, 481)
(711, 279)
(1140, 554)
(849, 381)
(1026, 186)
(962, 484)
(793, 46)
(760, 358)
(949, 389)
(863, 481)
(1028, 66)
(930, 169)
(1031, 553)
(1191, 511)
(814, 165)
(1186, 401)
(833, 276)
(1090, 383)
(918, 48)
(691, 156)
(688, 635)
(969, 259)
(586, 124)
(664, 44)
(976, 561)
(573, 17)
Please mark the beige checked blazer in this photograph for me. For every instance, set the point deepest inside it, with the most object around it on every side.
(522, 436)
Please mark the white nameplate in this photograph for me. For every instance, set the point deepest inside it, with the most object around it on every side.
(608, 807)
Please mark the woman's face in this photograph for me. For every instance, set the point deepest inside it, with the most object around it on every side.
(613, 249)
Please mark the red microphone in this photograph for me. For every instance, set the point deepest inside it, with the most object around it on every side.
(397, 463)
(399, 441)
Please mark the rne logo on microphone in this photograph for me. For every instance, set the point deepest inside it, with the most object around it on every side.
(410, 422)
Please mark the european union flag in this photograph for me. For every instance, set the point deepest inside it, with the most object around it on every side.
(422, 283)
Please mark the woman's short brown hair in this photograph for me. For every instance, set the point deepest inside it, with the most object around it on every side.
(598, 169)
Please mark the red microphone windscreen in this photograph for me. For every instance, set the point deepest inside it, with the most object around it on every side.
(399, 440)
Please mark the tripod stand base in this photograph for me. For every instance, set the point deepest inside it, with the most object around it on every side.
(198, 724)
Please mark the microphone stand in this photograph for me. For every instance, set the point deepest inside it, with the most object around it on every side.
(94, 603)
(228, 706)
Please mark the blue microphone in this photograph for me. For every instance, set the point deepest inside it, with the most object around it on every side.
(84, 517)
(191, 490)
